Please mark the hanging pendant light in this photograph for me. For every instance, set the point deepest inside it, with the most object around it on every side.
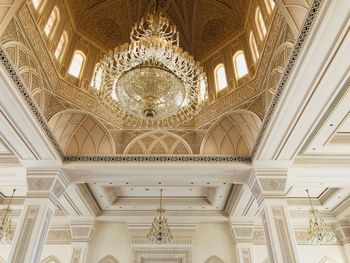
(6, 234)
(319, 232)
(160, 232)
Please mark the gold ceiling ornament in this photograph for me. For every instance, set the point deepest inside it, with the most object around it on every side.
(319, 232)
(160, 232)
(6, 234)
(152, 81)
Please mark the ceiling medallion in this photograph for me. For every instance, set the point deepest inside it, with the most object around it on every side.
(160, 232)
(6, 234)
(319, 232)
(152, 81)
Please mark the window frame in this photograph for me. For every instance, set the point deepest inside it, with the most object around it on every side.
(216, 70)
(64, 37)
(56, 13)
(237, 67)
(77, 52)
(92, 83)
(260, 23)
(254, 47)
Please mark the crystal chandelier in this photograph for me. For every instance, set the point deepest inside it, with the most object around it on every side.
(6, 234)
(152, 80)
(159, 231)
(319, 232)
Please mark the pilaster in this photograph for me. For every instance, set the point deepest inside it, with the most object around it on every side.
(342, 231)
(45, 187)
(269, 186)
(81, 232)
(243, 234)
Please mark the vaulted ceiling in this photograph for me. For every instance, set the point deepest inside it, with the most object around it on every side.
(203, 24)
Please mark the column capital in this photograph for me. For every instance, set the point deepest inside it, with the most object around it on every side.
(82, 231)
(50, 183)
(243, 233)
(267, 182)
(342, 230)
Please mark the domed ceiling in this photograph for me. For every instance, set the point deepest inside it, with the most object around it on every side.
(203, 24)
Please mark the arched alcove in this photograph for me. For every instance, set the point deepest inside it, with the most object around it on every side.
(50, 259)
(235, 134)
(214, 259)
(158, 142)
(79, 133)
(108, 259)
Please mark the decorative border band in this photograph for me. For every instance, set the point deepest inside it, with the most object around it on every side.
(309, 20)
(158, 158)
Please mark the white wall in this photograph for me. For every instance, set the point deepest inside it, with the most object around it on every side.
(61, 252)
(308, 253)
(213, 239)
(314, 254)
(110, 239)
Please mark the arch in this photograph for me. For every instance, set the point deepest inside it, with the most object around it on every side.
(28, 68)
(158, 142)
(214, 259)
(37, 4)
(253, 47)
(97, 79)
(234, 133)
(260, 23)
(77, 63)
(108, 259)
(50, 259)
(79, 133)
(327, 260)
(270, 6)
(61, 46)
(240, 64)
(220, 77)
(52, 22)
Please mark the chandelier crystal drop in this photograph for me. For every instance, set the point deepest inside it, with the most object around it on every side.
(319, 232)
(152, 79)
(160, 232)
(6, 234)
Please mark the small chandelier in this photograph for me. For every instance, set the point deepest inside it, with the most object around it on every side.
(152, 80)
(6, 234)
(319, 232)
(159, 231)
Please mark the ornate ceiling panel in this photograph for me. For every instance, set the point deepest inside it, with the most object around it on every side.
(202, 24)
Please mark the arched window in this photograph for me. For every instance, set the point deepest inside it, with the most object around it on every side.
(52, 22)
(77, 64)
(61, 45)
(96, 81)
(253, 47)
(260, 23)
(220, 77)
(203, 94)
(240, 64)
(36, 3)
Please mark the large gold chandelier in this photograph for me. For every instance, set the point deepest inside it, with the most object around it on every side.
(319, 232)
(160, 231)
(152, 81)
(6, 234)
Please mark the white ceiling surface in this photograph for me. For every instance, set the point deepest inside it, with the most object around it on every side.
(175, 198)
